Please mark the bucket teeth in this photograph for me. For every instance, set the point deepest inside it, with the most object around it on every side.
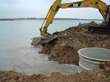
(38, 40)
(50, 38)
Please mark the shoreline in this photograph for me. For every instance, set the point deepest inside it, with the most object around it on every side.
(71, 40)
(15, 19)
(96, 75)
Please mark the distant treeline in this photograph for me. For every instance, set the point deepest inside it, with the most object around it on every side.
(12, 19)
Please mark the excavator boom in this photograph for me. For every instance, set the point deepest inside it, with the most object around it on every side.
(46, 37)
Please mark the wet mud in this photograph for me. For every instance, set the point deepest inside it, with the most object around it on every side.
(96, 75)
(64, 49)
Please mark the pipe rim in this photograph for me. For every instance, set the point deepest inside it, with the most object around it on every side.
(79, 52)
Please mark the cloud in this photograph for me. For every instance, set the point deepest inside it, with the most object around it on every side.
(39, 8)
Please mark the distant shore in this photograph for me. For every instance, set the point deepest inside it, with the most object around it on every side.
(14, 19)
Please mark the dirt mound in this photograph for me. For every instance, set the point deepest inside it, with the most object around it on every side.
(64, 54)
(96, 75)
(64, 49)
(13, 76)
(104, 65)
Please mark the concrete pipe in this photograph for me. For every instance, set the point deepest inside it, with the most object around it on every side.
(90, 58)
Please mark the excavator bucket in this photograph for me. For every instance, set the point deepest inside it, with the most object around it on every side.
(38, 40)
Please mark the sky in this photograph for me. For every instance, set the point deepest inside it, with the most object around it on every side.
(39, 9)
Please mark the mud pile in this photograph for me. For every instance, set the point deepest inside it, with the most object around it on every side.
(64, 48)
(96, 75)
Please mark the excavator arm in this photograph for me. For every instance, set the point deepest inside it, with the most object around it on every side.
(46, 37)
(49, 19)
(101, 6)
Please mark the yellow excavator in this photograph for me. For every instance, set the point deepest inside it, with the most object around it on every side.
(103, 8)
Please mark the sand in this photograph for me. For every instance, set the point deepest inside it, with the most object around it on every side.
(96, 75)
(64, 49)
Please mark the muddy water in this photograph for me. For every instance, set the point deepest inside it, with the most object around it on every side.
(16, 51)
(29, 60)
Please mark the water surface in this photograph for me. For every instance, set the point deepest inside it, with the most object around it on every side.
(16, 51)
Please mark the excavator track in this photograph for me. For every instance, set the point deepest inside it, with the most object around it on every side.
(99, 29)
(103, 8)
